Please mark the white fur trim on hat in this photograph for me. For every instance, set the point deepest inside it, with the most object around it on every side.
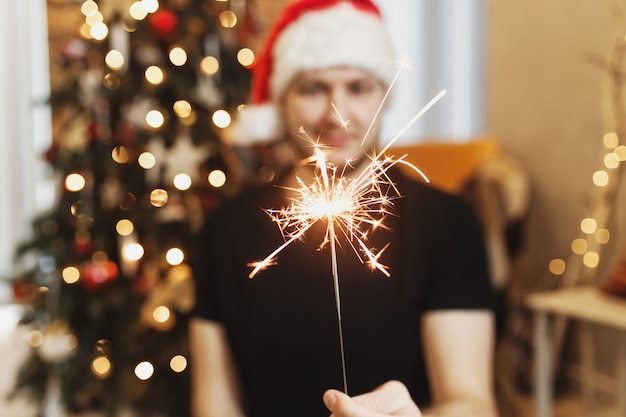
(332, 37)
(256, 123)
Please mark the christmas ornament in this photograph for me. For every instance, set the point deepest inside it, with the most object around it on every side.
(164, 23)
(99, 274)
(183, 158)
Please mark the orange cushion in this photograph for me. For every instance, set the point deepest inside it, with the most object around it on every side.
(448, 165)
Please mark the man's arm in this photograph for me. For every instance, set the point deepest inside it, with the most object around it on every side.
(459, 355)
(214, 382)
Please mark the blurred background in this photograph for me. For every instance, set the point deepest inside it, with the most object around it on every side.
(114, 145)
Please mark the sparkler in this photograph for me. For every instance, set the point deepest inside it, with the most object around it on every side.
(353, 206)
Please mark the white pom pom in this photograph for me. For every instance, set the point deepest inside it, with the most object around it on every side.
(255, 124)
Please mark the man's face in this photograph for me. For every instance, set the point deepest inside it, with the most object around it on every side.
(335, 107)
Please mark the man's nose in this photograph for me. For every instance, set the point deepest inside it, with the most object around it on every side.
(338, 111)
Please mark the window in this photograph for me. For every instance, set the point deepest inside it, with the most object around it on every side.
(445, 41)
(24, 121)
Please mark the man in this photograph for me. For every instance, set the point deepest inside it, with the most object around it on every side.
(269, 346)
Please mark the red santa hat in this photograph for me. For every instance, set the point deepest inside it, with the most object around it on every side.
(309, 35)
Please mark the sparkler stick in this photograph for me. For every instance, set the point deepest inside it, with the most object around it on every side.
(351, 206)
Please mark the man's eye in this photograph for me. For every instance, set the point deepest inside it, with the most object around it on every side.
(361, 87)
(311, 89)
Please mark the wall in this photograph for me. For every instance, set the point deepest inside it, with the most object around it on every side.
(548, 107)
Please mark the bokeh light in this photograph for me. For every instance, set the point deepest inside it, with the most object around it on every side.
(144, 370)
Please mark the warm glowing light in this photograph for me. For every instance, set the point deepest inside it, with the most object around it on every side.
(600, 178)
(217, 178)
(557, 266)
(221, 118)
(154, 75)
(161, 314)
(150, 6)
(70, 275)
(103, 347)
(94, 18)
(245, 56)
(175, 256)
(133, 252)
(579, 246)
(99, 31)
(74, 182)
(146, 160)
(620, 151)
(158, 197)
(588, 225)
(182, 108)
(101, 367)
(144, 370)
(178, 56)
(209, 65)
(155, 119)
(124, 227)
(182, 181)
(112, 81)
(88, 7)
(114, 59)
(602, 236)
(85, 31)
(178, 363)
(610, 140)
(35, 338)
(228, 19)
(120, 154)
(591, 259)
(611, 160)
(137, 11)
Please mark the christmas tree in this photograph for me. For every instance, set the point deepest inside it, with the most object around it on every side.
(139, 158)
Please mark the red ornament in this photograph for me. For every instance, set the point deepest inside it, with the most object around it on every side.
(95, 276)
(164, 23)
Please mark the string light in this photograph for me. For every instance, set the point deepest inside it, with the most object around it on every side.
(209, 65)
(579, 246)
(221, 118)
(144, 370)
(158, 197)
(74, 182)
(133, 252)
(611, 160)
(178, 56)
(101, 367)
(137, 11)
(124, 227)
(154, 75)
(146, 160)
(600, 178)
(228, 19)
(182, 181)
(70, 275)
(588, 225)
(557, 266)
(174, 256)
(155, 119)
(217, 178)
(182, 108)
(246, 57)
(120, 154)
(178, 363)
(161, 314)
(610, 140)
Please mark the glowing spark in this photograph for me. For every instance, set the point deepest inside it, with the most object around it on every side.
(351, 205)
(343, 123)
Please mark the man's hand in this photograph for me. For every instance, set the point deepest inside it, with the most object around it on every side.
(390, 399)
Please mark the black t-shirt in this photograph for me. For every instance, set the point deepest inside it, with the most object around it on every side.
(282, 325)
